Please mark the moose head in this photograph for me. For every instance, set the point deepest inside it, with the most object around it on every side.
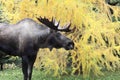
(55, 38)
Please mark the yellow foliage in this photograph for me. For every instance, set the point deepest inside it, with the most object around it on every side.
(97, 40)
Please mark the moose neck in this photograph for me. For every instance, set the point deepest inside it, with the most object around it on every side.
(41, 41)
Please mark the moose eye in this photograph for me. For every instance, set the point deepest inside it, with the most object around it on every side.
(58, 35)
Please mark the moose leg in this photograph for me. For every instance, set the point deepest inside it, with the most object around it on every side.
(27, 66)
(31, 60)
(1, 66)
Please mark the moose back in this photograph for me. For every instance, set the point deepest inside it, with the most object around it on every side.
(27, 36)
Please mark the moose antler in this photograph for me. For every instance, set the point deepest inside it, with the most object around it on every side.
(54, 25)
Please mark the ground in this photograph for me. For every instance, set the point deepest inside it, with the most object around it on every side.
(16, 74)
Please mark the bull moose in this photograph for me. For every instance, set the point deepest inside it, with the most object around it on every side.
(26, 37)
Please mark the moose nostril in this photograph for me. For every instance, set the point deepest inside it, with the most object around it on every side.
(70, 44)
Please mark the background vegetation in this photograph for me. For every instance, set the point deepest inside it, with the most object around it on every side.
(96, 37)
